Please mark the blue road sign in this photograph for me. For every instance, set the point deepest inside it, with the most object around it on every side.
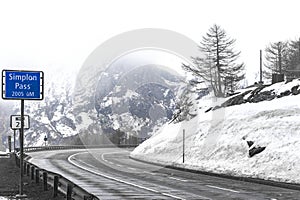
(26, 85)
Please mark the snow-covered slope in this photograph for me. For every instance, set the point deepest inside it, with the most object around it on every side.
(216, 139)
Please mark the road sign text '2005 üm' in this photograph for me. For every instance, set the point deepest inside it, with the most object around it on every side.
(27, 85)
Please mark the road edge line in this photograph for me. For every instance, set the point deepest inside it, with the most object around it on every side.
(239, 178)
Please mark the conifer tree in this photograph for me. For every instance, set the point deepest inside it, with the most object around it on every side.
(276, 59)
(218, 65)
(294, 55)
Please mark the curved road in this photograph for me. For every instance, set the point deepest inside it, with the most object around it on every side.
(109, 173)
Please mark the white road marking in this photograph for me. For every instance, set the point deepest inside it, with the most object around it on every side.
(116, 179)
(173, 196)
(151, 173)
(221, 188)
(130, 168)
(86, 164)
(178, 179)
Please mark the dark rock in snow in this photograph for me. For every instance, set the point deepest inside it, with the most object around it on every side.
(217, 107)
(285, 93)
(263, 96)
(295, 90)
(209, 109)
(255, 150)
(236, 100)
(250, 143)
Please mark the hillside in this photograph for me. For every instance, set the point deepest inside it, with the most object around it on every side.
(217, 138)
(137, 102)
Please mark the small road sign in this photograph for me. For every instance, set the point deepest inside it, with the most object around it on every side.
(15, 122)
(26, 85)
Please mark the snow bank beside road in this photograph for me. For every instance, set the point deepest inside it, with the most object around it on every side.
(214, 140)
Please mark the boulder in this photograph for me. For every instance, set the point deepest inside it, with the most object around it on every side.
(255, 150)
(295, 90)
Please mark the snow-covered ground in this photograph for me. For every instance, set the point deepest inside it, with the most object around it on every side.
(216, 141)
(3, 153)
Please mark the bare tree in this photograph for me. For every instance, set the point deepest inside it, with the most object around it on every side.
(218, 66)
(276, 59)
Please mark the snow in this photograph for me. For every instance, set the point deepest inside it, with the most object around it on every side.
(108, 101)
(166, 93)
(282, 87)
(66, 130)
(130, 94)
(215, 142)
(116, 125)
(85, 117)
(4, 198)
(3, 153)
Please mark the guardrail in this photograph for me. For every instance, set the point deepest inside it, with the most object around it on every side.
(59, 183)
(46, 148)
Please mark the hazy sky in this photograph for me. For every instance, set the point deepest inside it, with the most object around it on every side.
(61, 34)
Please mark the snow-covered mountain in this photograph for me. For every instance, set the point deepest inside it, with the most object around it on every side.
(137, 101)
(219, 138)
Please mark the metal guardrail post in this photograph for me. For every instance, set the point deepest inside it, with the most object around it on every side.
(17, 160)
(55, 186)
(27, 169)
(45, 178)
(24, 168)
(32, 172)
(9, 143)
(37, 175)
(69, 191)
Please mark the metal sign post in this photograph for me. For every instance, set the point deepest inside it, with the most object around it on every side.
(9, 143)
(15, 141)
(21, 147)
(22, 85)
(183, 145)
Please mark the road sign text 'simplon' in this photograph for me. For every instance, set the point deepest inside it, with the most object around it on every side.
(27, 85)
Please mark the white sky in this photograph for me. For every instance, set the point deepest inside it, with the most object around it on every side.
(61, 34)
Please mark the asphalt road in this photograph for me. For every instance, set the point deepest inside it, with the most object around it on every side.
(109, 173)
